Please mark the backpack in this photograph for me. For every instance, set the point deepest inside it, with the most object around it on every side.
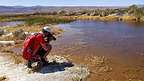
(27, 45)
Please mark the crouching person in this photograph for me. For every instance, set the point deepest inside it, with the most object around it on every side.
(37, 46)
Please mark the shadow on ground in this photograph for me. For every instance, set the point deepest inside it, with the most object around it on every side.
(55, 67)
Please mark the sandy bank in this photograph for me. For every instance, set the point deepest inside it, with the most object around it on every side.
(54, 72)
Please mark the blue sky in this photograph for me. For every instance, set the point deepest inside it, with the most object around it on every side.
(70, 2)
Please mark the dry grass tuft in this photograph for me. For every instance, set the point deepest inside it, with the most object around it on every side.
(128, 18)
(29, 29)
(109, 18)
(17, 59)
(14, 58)
(3, 78)
(88, 17)
(33, 28)
(56, 30)
(7, 38)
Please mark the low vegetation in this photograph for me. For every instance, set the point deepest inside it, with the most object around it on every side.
(46, 20)
(132, 13)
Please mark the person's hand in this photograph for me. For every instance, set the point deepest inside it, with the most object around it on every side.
(46, 59)
(54, 38)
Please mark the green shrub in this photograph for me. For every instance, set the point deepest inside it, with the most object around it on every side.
(46, 20)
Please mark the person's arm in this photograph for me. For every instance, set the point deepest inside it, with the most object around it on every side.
(40, 43)
(44, 46)
(43, 43)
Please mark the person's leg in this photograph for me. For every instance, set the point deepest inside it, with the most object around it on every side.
(49, 46)
(44, 53)
(27, 56)
(29, 63)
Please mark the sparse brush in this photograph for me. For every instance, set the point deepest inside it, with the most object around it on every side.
(47, 20)
(3, 78)
(17, 59)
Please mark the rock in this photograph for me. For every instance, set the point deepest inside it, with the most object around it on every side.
(1, 32)
(58, 59)
(20, 34)
(26, 33)
(59, 69)
(98, 60)
(9, 34)
(79, 73)
(106, 69)
(7, 43)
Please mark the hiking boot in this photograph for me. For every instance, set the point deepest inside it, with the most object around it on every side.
(44, 62)
(39, 64)
(29, 64)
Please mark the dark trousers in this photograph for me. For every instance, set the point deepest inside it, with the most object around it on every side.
(41, 52)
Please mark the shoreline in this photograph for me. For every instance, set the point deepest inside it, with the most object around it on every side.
(126, 18)
(64, 19)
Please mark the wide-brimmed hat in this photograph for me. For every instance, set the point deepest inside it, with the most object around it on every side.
(47, 30)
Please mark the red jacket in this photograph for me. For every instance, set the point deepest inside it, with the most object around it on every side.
(30, 51)
(38, 43)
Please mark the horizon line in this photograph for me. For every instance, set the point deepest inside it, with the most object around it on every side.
(73, 5)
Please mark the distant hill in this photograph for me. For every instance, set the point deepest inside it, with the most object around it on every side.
(32, 9)
(15, 9)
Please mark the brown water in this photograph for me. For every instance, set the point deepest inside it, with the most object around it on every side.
(104, 38)
(122, 43)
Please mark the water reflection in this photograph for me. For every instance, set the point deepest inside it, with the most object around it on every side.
(105, 37)
(11, 23)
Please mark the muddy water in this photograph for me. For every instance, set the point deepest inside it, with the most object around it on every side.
(121, 43)
(104, 38)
